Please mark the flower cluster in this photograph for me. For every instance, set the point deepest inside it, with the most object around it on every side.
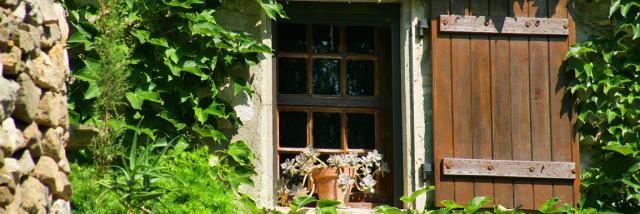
(302, 164)
(358, 171)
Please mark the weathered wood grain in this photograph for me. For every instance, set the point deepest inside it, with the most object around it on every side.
(503, 25)
(508, 168)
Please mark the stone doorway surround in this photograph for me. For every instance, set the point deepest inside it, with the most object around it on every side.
(258, 113)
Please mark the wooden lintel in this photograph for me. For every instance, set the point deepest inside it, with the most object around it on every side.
(504, 25)
(508, 168)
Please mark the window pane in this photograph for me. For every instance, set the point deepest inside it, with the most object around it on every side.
(326, 76)
(292, 37)
(326, 130)
(326, 38)
(360, 40)
(293, 129)
(361, 129)
(292, 76)
(360, 80)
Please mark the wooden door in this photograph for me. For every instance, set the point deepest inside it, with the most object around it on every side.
(498, 94)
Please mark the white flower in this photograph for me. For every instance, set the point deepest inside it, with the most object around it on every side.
(298, 190)
(213, 160)
(288, 167)
(345, 181)
(367, 184)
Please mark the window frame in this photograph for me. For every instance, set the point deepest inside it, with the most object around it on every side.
(345, 14)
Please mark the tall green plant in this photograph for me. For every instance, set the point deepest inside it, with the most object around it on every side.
(605, 83)
(138, 182)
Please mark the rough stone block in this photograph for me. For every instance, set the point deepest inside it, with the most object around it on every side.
(15, 138)
(51, 35)
(62, 187)
(34, 196)
(46, 171)
(27, 99)
(52, 110)
(45, 74)
(11, 167)
(52, 144)
(61, 207)
(33, 137)
(6, 195)
(11, 61)
(26, 163)
(59, 58)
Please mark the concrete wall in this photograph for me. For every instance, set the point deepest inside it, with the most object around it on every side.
(33, 108)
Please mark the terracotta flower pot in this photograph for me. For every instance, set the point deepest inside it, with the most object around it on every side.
(326, 182)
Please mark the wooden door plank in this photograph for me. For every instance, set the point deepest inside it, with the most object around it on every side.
(562, 139)
(481, 99)
(539, 95)
(520, 118)
(501, 105)
(461, 102)
(442, 107)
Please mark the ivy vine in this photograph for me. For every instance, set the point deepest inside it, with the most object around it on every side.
(606, 86)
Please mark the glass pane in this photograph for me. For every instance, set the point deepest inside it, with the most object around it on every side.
(361, 129)
(360, 80)
(326, 38)
(292, 37)
(360, 40)
(293, 129)
(326, 76)
(292, 76)
(326, 130)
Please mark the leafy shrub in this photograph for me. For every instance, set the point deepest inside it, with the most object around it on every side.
(86, 190)
(199, 191)
(605, 83)
(179, 60)
(475, 205)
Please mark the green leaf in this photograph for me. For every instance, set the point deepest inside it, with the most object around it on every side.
(475, 204)
(137, 98)
(411, 198)
(625, 149)
(299, 202)
(450, 204)
(272, 9)
(615, 5)
(548, 207)
(187, 4)
(142, 35)
(159, 42)
(386, 209)
(503, 210)
(325, 206)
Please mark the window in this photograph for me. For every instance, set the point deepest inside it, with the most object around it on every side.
(333, 93)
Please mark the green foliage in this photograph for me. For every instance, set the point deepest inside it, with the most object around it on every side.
(199, 192)
(323, 206)
(177, 59)
(475, 205)
(138, 182)
(605, 83)
(86, 190)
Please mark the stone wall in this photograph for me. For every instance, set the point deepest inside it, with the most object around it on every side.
(33, 107)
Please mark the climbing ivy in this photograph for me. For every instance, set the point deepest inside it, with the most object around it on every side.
(177, 57)
(605, 84)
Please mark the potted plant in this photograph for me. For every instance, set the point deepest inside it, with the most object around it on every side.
(333, 179)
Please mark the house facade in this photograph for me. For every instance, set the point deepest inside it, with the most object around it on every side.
(443, 89)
